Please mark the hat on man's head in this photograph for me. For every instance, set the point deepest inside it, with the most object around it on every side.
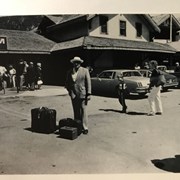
(177, 63)
(76, 59)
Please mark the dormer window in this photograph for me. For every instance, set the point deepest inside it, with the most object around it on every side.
(103, 23)
(138, 29)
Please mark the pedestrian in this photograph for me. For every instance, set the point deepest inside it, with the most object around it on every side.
(38, 75)
(122, 92)
(146, 65)
(137, 66)
(177, 68)
(25, 74)
(11, 75)
(154, 97)
(78, 84)
(20, 75)
(31, 76)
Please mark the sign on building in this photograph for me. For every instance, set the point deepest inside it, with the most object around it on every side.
(3, 43)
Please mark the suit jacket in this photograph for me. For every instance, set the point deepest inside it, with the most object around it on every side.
(81, 87)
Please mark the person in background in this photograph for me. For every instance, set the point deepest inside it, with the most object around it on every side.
(78, 85)
(38, 75)
(146, 65)
(177, 68)
(31, 76)
(122, 92)
(25, 74)
(154, 97)
(3, 75)
(20, 75)
(137, 66)
(12, 76)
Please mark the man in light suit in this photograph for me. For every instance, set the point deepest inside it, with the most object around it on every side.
(78, 84)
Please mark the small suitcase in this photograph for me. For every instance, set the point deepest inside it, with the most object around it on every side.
(68, 132)
(71, 123)
(43, 120)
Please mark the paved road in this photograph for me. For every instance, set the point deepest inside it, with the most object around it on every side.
(116, 143)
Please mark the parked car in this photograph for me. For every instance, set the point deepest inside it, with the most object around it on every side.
(162, 67)
(171, 80)
(106, 82)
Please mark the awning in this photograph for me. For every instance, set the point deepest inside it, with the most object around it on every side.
(100, 43)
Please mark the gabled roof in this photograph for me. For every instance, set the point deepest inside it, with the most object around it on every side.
(90, 42)
(159, 19)
(25, 42)
(72, 17)
(175, 45)
(54, 18)
(152, 22)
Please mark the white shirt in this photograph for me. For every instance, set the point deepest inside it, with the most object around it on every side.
(74, 74)
(2, 70)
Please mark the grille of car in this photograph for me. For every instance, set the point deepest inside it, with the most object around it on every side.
(139, 84)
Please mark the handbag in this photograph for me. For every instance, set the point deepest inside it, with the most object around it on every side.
(39, 82)
(161, 80)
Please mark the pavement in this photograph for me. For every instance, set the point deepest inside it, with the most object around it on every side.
(45, 90)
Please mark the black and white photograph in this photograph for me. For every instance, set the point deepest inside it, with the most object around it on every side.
(90, 93)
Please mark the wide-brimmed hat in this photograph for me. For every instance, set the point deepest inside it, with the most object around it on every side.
(76, 59)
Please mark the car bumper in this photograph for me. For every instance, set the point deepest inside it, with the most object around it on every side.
(171, 85)
(141, 90)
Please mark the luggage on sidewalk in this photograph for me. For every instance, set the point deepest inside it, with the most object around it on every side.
(68, 132)
(43, 120)
(71, 123)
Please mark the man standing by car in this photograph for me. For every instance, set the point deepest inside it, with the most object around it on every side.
(78, 84)
(154, 97)
(177, 68)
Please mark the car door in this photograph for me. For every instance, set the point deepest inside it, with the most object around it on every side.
(104, 84)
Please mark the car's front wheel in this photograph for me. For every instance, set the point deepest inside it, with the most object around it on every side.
(142, 94)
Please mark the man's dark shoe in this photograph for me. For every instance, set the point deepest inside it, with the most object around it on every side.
(159, 113)
(85, 131)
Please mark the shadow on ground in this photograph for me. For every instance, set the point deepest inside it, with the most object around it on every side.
(168, 164)
(118, 111)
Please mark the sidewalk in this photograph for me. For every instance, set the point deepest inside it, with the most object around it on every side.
(44, 91)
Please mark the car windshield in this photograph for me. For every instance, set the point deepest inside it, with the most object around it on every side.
(106, 75)
(131, 73)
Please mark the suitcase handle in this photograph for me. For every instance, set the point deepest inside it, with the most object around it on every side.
(40, 110)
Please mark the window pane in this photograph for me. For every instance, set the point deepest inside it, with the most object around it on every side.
(123, 28)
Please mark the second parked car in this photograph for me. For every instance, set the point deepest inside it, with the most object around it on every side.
(171, 80)
(106, 82)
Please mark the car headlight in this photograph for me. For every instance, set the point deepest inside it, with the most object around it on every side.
(139, 84)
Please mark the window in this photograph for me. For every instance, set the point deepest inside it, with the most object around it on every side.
(106, 75)
(122, 28)
(103, 23)
(138, 29)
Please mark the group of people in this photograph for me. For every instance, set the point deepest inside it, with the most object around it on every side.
(23, 74)
(78, 85)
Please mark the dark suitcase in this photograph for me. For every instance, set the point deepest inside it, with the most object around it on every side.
(43, 120)
(68, 132)
(71, 123)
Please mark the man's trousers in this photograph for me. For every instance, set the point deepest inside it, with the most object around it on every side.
(80, 111)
